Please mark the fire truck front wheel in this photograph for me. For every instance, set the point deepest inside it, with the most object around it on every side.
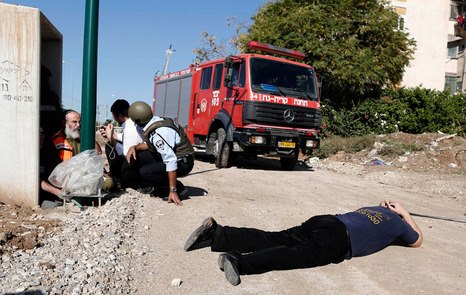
(221, 148)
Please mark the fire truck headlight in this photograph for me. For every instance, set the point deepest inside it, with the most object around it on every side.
(258, 139)
(311, 143)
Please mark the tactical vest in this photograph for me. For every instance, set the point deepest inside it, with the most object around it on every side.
(64, 148)
(182, 149)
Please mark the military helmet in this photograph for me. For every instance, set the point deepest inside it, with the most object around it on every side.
(140, 112)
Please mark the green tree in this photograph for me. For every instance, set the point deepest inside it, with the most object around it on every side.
(354, 45)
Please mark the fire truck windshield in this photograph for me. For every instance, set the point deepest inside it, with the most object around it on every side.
(269, 76)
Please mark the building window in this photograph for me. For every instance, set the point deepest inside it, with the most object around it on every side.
(401, 23)
(456, 9)
(453, 52)
(459, 86)
(451, 84)
(461, 48)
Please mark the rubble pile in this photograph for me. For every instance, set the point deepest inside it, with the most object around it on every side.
(92, 254)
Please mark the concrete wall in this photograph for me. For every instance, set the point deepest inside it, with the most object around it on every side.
(20, 61)
(427, 21)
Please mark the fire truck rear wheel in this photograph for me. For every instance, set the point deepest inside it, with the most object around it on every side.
(221, 149)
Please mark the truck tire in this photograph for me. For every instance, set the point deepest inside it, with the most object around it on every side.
(221, 149)
(288, 163)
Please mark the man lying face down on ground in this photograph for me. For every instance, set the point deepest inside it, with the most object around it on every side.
(321, 240)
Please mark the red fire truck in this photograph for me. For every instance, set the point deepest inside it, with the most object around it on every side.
(248, 103)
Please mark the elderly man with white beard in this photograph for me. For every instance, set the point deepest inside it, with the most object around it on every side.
(68, 140)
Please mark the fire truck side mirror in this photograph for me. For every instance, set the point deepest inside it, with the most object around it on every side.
(228, 62)
(228, 81)
(228, 72)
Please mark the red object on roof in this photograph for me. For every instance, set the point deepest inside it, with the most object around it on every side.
(275, 49)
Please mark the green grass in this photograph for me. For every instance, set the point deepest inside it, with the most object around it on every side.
(332, 145)
(399, 148)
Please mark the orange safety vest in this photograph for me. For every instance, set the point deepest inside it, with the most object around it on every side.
(65, 150)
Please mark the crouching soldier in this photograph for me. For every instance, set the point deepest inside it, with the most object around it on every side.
(171, 156)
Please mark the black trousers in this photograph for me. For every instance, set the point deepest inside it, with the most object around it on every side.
(114, 161)
(153, 170)
(319, 241)
(121, 170)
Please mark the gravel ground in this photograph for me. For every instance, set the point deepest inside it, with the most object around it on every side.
(91, 253)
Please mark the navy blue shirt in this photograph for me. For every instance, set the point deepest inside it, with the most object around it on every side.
(371, 229)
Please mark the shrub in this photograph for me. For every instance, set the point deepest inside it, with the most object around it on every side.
(410, 110)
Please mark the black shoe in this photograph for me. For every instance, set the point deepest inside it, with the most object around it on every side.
(181, 189)
(164, 191)
(146, 190)
(202, 236)
(118, 187)
(160, 192)
(230, 264)
(221, 258)
(221, 261)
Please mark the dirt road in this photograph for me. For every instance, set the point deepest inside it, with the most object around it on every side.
(134, 243)
(262, 196)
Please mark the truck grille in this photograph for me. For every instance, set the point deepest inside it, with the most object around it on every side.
(280, 115)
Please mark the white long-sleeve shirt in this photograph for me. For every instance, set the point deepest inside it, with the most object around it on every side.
(131, 136)
(164, 140)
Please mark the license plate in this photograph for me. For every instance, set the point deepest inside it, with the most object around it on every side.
(286, 144)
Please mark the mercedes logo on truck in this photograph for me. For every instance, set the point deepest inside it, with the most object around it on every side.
(288, 115)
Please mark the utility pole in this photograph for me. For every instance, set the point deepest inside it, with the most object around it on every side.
(168, 54)
(89, 87)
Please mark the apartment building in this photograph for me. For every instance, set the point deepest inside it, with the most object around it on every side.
(439, 59)
(456, 46)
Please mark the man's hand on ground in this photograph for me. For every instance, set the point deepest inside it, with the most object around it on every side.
(174, 198)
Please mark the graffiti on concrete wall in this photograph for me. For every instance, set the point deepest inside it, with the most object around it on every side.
(14, 83)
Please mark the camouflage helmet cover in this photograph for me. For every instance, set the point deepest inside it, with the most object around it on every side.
(140, 112)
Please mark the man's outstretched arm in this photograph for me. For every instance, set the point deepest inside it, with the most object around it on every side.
(398, 209)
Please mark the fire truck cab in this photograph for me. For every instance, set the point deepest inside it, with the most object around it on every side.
(251, 104)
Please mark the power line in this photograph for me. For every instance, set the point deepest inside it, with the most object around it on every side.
(439, 217)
